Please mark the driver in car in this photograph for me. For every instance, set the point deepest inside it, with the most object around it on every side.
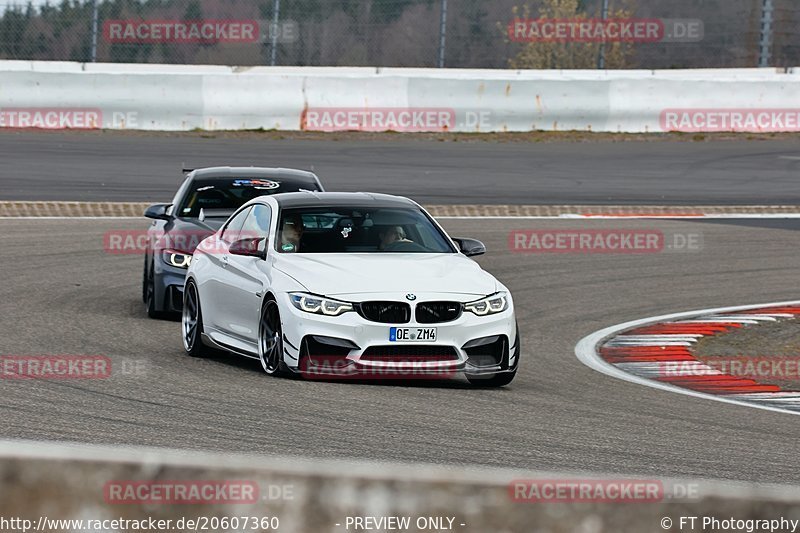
(291, 233)
(392, 235)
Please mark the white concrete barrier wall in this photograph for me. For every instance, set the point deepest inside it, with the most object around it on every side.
(177, 97)
(92, 487)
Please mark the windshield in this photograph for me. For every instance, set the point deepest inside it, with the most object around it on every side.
(341, 229)
(225, 195)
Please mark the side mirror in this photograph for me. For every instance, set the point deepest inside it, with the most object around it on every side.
(470, 247)
(157, 212)
(250, 247)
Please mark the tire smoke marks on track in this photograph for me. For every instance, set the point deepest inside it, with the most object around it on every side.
(611, 241)
(638, 351)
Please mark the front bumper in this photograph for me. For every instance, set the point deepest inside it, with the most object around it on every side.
(168, 284)
(351, 344)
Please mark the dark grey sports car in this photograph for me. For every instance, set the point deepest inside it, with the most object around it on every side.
(202, 204)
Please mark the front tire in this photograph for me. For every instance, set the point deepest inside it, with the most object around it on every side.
(270, 339)
(192, 321)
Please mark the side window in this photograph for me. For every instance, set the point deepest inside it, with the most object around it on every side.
(232, 228)
(256, 226)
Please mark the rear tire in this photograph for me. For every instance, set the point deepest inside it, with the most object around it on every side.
(192, 322)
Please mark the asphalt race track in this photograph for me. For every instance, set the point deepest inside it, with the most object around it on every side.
(130, 167)
(64, 295)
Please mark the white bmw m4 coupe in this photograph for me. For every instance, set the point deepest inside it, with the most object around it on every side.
(349, 285)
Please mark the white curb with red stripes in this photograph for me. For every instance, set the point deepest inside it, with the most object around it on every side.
(635, 351)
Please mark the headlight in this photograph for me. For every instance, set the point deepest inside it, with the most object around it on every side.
(496, 303)
(177, 259)
(319, 305)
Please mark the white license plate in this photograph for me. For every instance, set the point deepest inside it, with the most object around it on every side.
(412, 334)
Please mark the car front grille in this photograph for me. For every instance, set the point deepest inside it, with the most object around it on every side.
(410, 352)
(385, 312)
(437, 312)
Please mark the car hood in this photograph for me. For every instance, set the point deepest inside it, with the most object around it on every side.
(335, 274)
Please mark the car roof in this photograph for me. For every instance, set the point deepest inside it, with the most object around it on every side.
(290, 174)
(355, 199)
